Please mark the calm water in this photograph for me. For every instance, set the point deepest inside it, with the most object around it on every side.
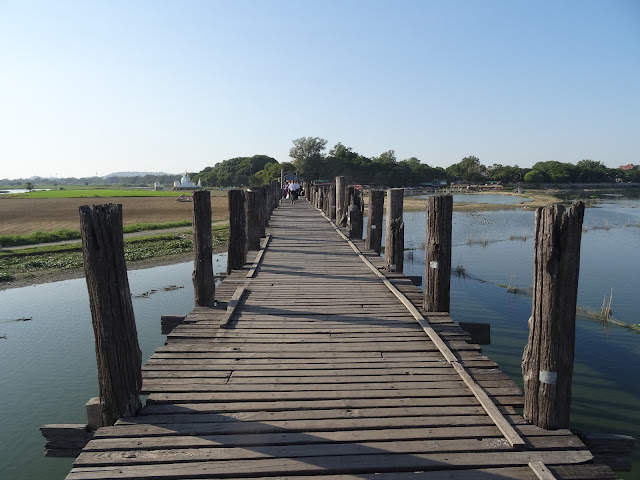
(48, 364)
(485, 198)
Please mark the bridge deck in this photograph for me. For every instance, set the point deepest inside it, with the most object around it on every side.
(322, 371)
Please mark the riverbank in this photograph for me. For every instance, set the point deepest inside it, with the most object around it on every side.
(530, 201)
(57, 275)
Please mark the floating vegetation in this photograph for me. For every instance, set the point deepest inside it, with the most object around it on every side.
(483, 241)
(522, 237)
(154, 290)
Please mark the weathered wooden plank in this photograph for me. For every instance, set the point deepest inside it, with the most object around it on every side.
(124, 457)
(289, 415)
(370, 463)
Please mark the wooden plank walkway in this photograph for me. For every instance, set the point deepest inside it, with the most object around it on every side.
(323, 371)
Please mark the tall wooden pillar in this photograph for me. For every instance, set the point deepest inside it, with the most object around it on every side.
(203, 281)
(262, 211)
(437, 277)
(275, 195)
(374, 221)
(547, 363)
(394, 237)
(332, 202)
(237, 249)
(253, 220)
(118, 354)
(341, 202)
(355, 215)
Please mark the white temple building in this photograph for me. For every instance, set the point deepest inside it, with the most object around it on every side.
(185, 183)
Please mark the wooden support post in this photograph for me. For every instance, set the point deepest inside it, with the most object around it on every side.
(94, 418)
(394, 236)
(275, 195)
(237, 248)
(204, 285)
(306, 186)
(332, 202)
(118, 354)
(262, 211)
(266, 189)
(341, 203)
(321, 198)
(327, 200)
(356, 212)
(547, 363)
(437, 276)
(374, 221)
(253, 220)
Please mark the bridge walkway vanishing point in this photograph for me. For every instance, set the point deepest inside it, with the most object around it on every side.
(323, 371)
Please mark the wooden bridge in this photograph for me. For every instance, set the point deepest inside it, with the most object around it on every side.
(317, 363)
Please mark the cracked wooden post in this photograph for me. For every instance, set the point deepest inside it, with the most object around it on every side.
(204, 285)
(327, 200)
(341, 202)
(374, 221)
(237, 248)
(118, 354)
(437, 276)
(275, 195)
(394, 236)
(262, 210)
(253, 221)
(547, 362)
(306, 186)
(332, 202)
(356, 215)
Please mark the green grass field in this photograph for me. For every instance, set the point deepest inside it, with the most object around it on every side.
(98, 193)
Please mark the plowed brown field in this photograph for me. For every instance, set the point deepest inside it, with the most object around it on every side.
(26, 215)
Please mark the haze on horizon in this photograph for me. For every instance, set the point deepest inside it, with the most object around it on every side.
(95, 88)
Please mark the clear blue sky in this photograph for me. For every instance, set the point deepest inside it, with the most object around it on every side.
(108, 86)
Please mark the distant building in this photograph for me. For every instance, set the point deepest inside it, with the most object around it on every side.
(185, 183)
(157, 186)
(629, 166)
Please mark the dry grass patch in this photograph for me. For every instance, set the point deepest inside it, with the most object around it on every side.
(25, 215)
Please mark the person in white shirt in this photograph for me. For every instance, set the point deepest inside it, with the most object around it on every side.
(294, 190)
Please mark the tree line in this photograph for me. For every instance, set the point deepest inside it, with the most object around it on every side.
(310, 160)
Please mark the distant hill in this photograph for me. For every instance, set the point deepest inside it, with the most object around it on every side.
(137, 174)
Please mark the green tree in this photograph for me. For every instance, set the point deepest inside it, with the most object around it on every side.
(28, 186)
(308, 157)
(536, 176)
(469, 169)
(386, 158)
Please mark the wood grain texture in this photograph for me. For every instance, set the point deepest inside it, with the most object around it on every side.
(547, 364)
(118, 353)
(438, 253)
(204, 285)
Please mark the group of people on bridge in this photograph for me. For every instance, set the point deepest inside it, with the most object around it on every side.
(292, 191)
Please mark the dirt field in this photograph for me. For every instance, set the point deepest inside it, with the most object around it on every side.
(26, 215)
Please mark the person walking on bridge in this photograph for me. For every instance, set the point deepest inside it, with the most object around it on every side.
(294, 190)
